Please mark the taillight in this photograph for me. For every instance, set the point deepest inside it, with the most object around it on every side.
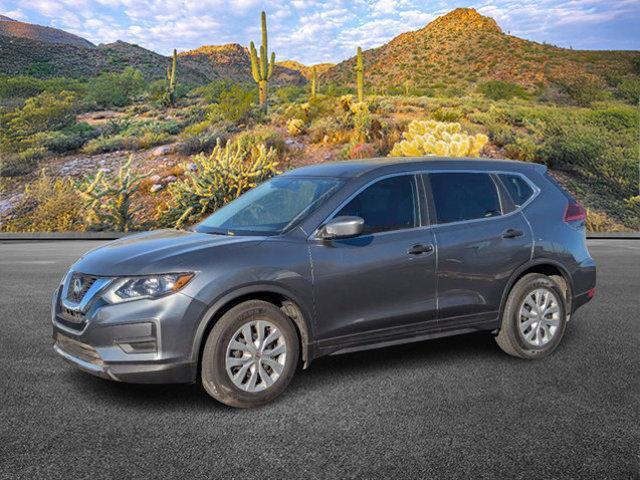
(575, 212)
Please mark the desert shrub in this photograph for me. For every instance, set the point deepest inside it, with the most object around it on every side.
(438, 138)
(203, 137)
(132, 135)
(115, 89)
(524, 148)
(629, 90)
(601, 222)
(234, 105)
(217, 179)
(24, 86)
(569, 144)
(49, 205)
(290, 93)
(330, 130)
(210, 93)
(24, 132)
(70, 138)
(248, 140)
(445, 114)
(498, 90)
(583, 91)
(360, 150)
(11, 165)
(614, 117)
(107, 199)
(295, 127)
(361, 121)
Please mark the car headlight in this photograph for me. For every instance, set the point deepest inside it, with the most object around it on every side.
(151, 286)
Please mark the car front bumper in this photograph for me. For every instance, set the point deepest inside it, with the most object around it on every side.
(143, 341)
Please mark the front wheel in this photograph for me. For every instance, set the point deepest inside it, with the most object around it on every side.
(250, 355)
(534, 318)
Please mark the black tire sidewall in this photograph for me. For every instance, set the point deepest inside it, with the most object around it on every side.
(214, 375)
(516, 298)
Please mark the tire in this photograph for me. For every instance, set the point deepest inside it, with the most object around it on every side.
(266, 375)
(521, 333)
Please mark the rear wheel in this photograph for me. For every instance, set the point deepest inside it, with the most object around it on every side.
(250, 355)
(534, 318)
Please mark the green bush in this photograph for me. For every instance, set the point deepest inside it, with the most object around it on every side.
(115, 89)
(25, 86)
(629, 90)
(70, 138)
(234, 105)
(24, 132)
(210, 93)
(499, 90)
(583, 91)
(203, 137)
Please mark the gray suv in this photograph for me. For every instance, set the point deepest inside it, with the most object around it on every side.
(329, 259)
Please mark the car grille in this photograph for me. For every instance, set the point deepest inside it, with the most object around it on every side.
(78, 286)
(71, 318)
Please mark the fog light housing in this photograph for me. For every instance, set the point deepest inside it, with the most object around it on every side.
(139, 346)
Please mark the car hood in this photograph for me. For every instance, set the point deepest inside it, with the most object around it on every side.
(161, 251)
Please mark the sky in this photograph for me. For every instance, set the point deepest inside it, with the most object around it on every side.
(313, 31)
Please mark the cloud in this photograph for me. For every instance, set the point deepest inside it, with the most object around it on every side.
(317, 30)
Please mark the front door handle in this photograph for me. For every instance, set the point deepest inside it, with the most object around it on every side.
(512, 233)
(419, 249)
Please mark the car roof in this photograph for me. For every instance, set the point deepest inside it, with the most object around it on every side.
(386, 165)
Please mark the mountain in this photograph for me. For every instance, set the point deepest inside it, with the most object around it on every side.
(29, 49)
(233, 61)
(304, 69)
(13, 28)
(464, 47)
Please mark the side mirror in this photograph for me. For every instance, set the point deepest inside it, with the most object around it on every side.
(341, 227)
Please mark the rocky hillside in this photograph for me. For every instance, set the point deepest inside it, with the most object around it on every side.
(13, 28)
(48, 52)
(305, 70)
(232, 61)
(464, 47)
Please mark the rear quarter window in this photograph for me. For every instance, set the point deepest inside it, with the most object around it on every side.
(519, 189)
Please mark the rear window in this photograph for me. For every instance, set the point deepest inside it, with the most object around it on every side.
(519, 190)
(464, 196)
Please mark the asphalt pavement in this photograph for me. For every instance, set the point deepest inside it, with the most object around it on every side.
(448, 408)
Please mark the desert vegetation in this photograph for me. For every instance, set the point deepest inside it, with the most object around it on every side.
(120, 151)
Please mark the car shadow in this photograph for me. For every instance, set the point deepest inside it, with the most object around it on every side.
(322, 372)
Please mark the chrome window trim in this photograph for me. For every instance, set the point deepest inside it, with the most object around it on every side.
(536, 192)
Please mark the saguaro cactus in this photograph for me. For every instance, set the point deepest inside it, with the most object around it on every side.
(170, 89)
(360, 76)
(314, 81)
(261, 67)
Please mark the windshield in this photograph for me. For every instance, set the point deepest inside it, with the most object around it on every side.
(271, 207)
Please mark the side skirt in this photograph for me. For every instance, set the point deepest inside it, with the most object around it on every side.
(401, 335)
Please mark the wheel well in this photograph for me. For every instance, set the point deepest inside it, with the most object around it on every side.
(289, 308)
(554, 273)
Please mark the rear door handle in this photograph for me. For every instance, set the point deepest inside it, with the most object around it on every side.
(512, 233)
(419, 249)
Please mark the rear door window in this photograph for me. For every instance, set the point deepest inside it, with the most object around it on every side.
(464, 196)
(519, 190)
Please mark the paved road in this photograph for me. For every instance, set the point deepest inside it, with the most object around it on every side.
(450, 408)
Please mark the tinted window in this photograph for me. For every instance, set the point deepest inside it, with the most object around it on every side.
(464, 196)
(519, 190)
(389, 204)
